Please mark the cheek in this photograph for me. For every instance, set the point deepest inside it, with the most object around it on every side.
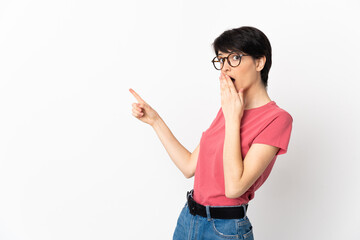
(243, 73)
(246, 71)
(247, 67)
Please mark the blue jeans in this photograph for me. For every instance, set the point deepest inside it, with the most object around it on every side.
(190, 227)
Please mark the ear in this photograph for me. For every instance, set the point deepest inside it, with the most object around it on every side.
(260, 63)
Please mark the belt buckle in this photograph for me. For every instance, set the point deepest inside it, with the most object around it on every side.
(189, 193)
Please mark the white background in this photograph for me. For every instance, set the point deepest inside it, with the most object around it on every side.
(75, 163)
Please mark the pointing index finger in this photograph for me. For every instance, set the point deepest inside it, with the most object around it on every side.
(136, 96)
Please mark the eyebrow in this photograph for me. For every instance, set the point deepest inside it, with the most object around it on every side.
(225, 53)
(230, 52)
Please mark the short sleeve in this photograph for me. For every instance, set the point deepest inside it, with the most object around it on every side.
(277, 133)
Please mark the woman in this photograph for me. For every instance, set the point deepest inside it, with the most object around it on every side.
(239, 148)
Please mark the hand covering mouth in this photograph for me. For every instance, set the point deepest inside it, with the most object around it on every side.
(232, 79)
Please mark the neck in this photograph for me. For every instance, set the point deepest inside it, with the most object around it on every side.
(256, 96)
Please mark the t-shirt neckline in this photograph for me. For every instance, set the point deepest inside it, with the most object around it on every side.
(261, 107)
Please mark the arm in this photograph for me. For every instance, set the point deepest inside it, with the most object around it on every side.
(183, 159)
(240, 175)
(193, 161)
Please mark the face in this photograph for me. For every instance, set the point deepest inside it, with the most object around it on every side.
(244, 75)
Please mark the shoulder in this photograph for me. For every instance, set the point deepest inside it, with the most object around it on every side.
(281, 114)
(277, 118)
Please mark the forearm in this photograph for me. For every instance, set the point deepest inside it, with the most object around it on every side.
(177, 152)
(232, 158)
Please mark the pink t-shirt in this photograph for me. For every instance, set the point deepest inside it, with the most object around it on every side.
(268, 124)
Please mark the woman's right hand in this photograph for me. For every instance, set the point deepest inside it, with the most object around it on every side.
(143, 111)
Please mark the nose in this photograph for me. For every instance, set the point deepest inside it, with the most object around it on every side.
(226, 67)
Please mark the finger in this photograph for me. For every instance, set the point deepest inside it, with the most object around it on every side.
(138, 110)
(230, 85)
(137, 106)
(222, 85)
(140, 105)
(221, 81)
(220, 76)
(241, 95)
(140, 100)
(226, 85)
(137, 113)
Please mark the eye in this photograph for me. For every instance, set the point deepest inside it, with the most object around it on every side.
(236, 57)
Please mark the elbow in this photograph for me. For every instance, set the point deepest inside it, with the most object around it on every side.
(188, 175)
(233, 192)
(230, 194)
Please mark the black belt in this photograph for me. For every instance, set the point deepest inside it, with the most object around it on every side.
(230, 212)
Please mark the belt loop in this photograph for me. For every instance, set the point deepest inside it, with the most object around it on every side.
(208, 212)
(244, 206)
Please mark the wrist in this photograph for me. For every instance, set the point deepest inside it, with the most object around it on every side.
(156, 121)
(233, 123)
(230, 128)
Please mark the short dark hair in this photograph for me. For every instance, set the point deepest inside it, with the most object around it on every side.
(248, 40)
